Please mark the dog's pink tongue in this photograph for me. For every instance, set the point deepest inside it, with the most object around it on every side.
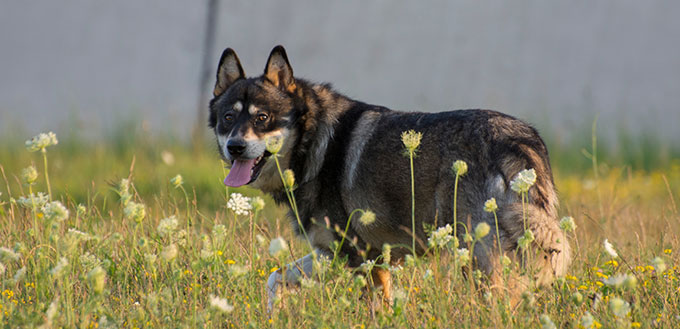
(239, 173)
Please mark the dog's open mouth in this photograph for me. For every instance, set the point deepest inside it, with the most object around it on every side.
(245, 171)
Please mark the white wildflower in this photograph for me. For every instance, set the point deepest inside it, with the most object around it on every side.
(239, 204)
(8, 254)
(257, 203)
(659, 264)
(60, 268)
(52, 310)
(367, 217)
(546, 323)
(237, 270)
(79, 235)
(460, 167)
(97, 279)
(89, 261)
(167, 226)
(587, 320)
(41, 141)
(523, 181)
(169, 253)
(277, 247)
(619, 306)
(219, 233)
(440, 237)
(55, 211)
(39, 200)
(220, 304)
(273, 144)
(177, 181)
(567, 224)
(124, 191)
(615, 281)
(150, 258)
(135, 211)
(490, 205)
(610, 249)
(29, 175)
(19, 275)
(411, 140)
(463, 255)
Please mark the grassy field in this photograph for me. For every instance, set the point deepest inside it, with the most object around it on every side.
(189, 260)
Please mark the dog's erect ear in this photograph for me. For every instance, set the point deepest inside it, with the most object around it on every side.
(278, 70)
(228, 71)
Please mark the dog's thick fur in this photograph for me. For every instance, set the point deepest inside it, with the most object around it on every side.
(348, 155)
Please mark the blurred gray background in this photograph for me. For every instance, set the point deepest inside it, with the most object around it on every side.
(88, 64)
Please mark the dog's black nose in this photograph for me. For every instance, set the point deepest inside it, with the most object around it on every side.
(236, 147)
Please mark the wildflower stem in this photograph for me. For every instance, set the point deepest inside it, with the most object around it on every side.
(186, 202)
(455, 199)
(293, 204)
(337, 249)
(498, 237)
(47, 177)
(413, 207)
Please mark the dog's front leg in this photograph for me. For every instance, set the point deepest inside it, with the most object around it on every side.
(294, 272)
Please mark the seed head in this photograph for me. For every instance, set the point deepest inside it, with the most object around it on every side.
(220, 304)
(577, 298)
(169, 253)
(567, 224)
(619, 306)
(411, 140)
(177, 181)
(367, 217)
(273, 144)
(610, 249)
(490, 205)
(289, 178)
(525, 240)
(482, 230)
(60, 268)
(41, 142)
(135, 211)
(167, 226)
(659, 264)
(463, 255)
(523, 181)
(29, 175)
(97, 279)
(546, 323)
(387, 253)
(460, 168)
(278, 247)
(257, 203)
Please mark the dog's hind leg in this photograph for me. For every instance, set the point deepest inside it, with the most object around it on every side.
(291, 274)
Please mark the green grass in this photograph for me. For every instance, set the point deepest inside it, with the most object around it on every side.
(634, 205)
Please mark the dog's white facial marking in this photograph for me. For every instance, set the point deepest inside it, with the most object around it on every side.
(252, 109)
(222, 142)
(238, 106)
(360, 136)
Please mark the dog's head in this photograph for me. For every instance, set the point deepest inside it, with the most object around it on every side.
(245, 113)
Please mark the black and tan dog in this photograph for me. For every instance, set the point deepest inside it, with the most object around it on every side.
(348, 155)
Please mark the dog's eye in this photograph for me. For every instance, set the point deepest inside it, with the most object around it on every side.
(228, 117)
(262, 117)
